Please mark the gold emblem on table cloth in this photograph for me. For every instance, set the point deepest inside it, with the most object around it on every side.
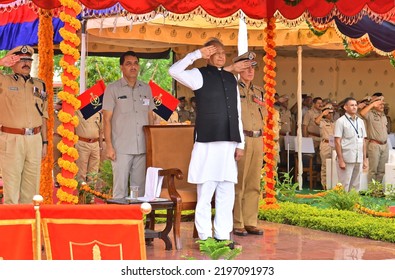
(95, 249)
(95, 101)
(158, 100)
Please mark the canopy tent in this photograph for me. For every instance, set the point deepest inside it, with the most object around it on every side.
(225, 12)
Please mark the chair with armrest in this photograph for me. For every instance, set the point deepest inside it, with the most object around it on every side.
(169, 147)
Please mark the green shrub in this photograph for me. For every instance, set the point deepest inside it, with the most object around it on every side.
(332, 220)
(340, 199)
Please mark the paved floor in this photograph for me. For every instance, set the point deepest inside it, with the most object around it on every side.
(284, 242)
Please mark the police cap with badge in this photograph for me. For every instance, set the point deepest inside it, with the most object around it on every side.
(246, 56)
(23, 51)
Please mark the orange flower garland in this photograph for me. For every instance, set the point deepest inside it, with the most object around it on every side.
(45, 72)
(86, 188)
(70, 103)
(374, 213)
(269, 170)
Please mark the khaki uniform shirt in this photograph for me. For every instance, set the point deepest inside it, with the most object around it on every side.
(183, 115)
(22, 103)
(130, 107)
(309, 121)
(89, 128)
(376, 126)
(253, 111)
(327, 128)
(286, 120)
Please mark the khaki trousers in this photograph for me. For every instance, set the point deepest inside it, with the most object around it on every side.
(325, 153)
(20, 156)
(128, 168)
(247, 190)
(378, 157)
(89, 159)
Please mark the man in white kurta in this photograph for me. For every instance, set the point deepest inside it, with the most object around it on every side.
(213, 163)
(350, 146)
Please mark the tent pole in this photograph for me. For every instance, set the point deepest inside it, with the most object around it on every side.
(83, 57)
(299, 131)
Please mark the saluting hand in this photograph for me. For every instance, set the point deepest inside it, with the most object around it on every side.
(208, 51)
(9, 60)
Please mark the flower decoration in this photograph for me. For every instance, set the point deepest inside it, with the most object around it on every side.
(86, 188)
(70, 103)
(45, 72)
(269, 145)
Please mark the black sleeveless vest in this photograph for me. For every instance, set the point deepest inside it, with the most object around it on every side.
(216, 102)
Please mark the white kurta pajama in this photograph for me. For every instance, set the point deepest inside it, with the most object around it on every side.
(212, 167)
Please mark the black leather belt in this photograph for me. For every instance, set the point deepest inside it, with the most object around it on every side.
(253, 133)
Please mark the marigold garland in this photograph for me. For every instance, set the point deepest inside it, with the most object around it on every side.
(45, 72)
(86, 188)
(66, 117)
(70, 151)
(374, 213)
(70, 99)
(70, 103)
(67, 165)
(269, 172)
(67, 134)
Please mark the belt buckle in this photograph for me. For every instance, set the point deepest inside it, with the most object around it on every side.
(256, 133)
(29, 131)
(90, 141)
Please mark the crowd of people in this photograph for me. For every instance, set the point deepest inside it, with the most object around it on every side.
(356, 130)
(228, 114)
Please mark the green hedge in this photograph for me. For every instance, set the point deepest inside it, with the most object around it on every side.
(332, 220)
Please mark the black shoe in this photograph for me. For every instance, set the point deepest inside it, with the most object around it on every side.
(231, 244)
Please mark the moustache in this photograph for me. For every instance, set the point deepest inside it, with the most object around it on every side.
(28, 67)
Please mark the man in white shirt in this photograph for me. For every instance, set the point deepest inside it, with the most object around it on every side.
(219, 139)
(350, 134)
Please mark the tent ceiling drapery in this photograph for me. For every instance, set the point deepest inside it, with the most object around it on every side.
(155, 19)
(255, 9)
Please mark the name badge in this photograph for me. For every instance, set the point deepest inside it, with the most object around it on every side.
(145, 101)
(13, 88)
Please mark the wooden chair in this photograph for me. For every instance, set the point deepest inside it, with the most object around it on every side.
(169, 147)
(309, 160)
(309, 168)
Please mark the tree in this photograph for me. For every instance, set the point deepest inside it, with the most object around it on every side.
(108, 69)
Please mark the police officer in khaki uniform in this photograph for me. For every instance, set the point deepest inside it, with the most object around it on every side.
(183, 113)
(245, 213)
(89, 144)
(56, 139)
(309, 127)
(327, 128)
(23, 132)
(376, 129)
(285, 125)
(127, 107)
